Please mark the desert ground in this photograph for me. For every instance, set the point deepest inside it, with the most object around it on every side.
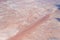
(29, 20)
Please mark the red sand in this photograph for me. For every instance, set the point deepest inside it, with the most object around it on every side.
(32, 24)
